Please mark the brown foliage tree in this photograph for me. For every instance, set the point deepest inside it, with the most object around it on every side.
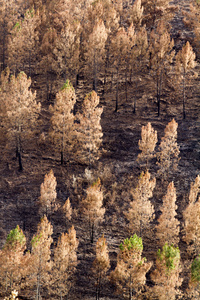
(48, 194)
(91, 207)
(95, 51)
(147, 143)
(98, 11)
(130, 272)
(138, 59)
(62, 121)
(141, 210)
(161, 56)
(23, 43)
(168, 228)
(13, 262)
(41, 264)
(135, 13)
(192, 19)
(9, 12)
(64, 264)
(168, 150)
(185, 62)
(166, 274)
(67, 209)
(101, 264)
(121, 47)
(65, 18)
(48, 60)
(191, 217)
(88, 130)
(21, 109)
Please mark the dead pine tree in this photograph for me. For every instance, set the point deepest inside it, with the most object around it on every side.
(62, 130)
(92, 207)
(47, 61)
(95, 51)
(101, 264)
(64, 264)
(168, 151)
(147, 143)
(67, 210)
(193, 20)
(88, 130)
(141, 211)
(138, 58)
(191, 230)
(160, 58)
(121, 46)
(23, 43)
(41, 264)
(48, 194)
(129, 276)
(67, 42)
(168, 226)
(13, 261)
(21, 110)
(9, 14)
(185, 62)
(166, 276)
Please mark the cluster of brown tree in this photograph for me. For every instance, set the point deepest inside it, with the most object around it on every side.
(37, 270)
(105, 41)
(110, 44)
(49, 270)
(77, 137)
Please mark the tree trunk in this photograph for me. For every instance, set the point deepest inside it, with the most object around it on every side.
(92, 233)
(29, 63)
(105, 73)
(126, 82)
(47, 85)
(184, 114)
(18, 150)
(95, 72)
(61, 159)
(99, 286)
(6, 281)
(20, 161)
(130, 289)
(117, 90)
(158, 95)
(134, 108)
(130, 76)
(38, 288)
(4, 50)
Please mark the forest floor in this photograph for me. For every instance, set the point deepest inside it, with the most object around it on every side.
(118, 168)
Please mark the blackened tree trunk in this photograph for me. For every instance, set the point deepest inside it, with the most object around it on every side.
(135, 101)
(105, 72)
(95, 72)
(20, 161)
(126, 82)
(92, 233)
(184, 114)
(117, 90)
(61, 158)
